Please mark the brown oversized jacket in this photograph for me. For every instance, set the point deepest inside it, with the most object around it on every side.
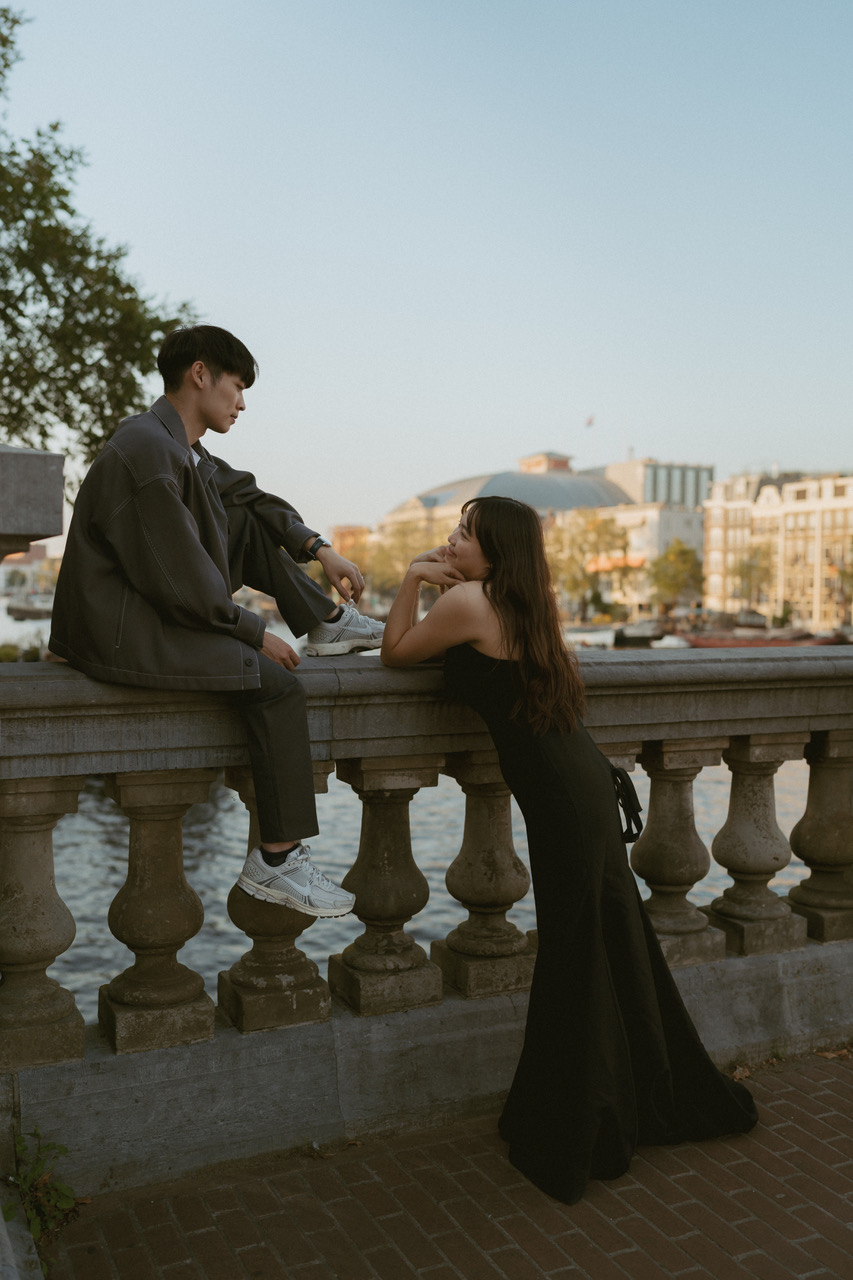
(144, 596)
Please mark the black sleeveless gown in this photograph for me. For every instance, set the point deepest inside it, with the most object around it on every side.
(611, 1059)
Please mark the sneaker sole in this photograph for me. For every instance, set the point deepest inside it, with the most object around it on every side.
(285, 900)
(334, 648)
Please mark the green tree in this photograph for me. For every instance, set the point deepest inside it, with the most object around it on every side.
(755, 572)
(77, 338)
(582, 549)
(676, 573)
(390, 556)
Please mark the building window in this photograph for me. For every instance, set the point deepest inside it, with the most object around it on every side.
(800, 495)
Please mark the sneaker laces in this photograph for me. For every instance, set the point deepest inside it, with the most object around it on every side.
(302, 859)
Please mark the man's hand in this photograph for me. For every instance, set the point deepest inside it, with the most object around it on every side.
(280, 651)
(339, 570)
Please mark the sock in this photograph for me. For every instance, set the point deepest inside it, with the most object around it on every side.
(277, 859)
(336, 617)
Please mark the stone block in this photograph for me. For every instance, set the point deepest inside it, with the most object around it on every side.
(759, 937)
(477, 976)
(824, 924)
(30, 492)
(699, 947)
(259, 1010)
(369, 992)
(36, 1044)
(132, 1028)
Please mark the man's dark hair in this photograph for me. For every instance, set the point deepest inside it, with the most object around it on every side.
(219, 349)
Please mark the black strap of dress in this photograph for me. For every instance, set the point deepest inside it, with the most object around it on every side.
(629, 803)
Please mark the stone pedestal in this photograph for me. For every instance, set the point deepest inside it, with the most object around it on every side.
(670, 856)
(385, 970)
(753, 850)
(486, 954)
(39, 1021)
(157, 1001)
(823, 838)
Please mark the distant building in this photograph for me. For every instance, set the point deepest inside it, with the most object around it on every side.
(799, 528)
(653, 502)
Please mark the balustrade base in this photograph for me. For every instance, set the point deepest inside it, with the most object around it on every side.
(391, 992)
(682, 949)
(39, 1044)
(130, 1029)
(825, 924)
(759, 937)
(476, 976)
(260, 1010)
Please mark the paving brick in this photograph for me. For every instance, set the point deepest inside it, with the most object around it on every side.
(258, 1198)
(647, 1206)
(586, 1217)
(448, 1157)
(290, 1243)
(710, 1225)
(591, 1256)
(325, 1182)
(651, 1179)
(815, 1192)
(430, 1217)
(166, 1244)
(823, 1224)
(387, 1170)
(83, 1230)
(759, 1264)
(712, 1254)
(214, 1257)
(839, 1262)
(725, 1177)
(546, 1213)
(724, 1206)
(648, 1238)
(440, 1273)
(466, 1257)
(219, 1199)
(89, 1262)
(495, 1166)
(135, 1263)
(535, 1241)
(191, 1213)
(791, 1255)
(151, 1213)
(485, 1233)
(491, 1199)
(388, 1264)
(515, 1265)
(119, 1230)
(309, 1213)
(438, 1184)
(340, 1256)
(183, 1271)
(776, 1210)
(375, 1198)
(417, 1247)
(357, 1224)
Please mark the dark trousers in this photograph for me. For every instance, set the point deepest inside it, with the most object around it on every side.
(275, 714)
(280, 754)
(256, 560)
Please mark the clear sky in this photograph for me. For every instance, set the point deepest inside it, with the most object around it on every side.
(452, 231)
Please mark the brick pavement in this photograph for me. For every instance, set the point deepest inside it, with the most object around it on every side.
(445, 1204)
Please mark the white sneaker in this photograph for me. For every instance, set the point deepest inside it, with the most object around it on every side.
(296, 883)
(352, 632)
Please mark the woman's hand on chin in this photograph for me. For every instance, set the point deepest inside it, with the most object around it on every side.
(437, 553)
(437, 572)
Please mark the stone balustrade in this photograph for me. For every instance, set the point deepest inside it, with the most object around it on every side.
(387, 734)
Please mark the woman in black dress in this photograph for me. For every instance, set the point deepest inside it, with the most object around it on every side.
(611, 1059)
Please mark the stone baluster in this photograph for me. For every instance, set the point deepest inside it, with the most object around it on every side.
(752, 848)
(670, 856)
(384, 969)
(157, 1002)
(485, 954)
(823, 838)
(39, 1021)
(274, 984)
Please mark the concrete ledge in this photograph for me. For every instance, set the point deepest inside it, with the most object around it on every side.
(152, 1116)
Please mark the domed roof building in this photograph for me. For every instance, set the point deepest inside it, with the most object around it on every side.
(544, 481)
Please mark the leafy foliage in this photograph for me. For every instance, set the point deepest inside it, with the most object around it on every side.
(678, 572)
(583, 548)
(77, 339)
(755, 572)
(49, 1204)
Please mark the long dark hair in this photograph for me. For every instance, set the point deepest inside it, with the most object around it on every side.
(518, 586)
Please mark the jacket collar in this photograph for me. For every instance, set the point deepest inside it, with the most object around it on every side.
(174, 424)
(171, 420)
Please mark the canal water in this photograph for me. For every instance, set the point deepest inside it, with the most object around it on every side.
(91, 864)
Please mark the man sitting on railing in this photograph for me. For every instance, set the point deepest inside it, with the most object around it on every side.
(162, 534)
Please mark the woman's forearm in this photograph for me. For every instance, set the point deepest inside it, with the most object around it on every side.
(403, 614)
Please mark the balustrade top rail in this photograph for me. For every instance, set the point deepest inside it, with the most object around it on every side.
(56, 722)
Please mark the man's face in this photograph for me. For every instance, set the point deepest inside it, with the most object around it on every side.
(220, 401)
